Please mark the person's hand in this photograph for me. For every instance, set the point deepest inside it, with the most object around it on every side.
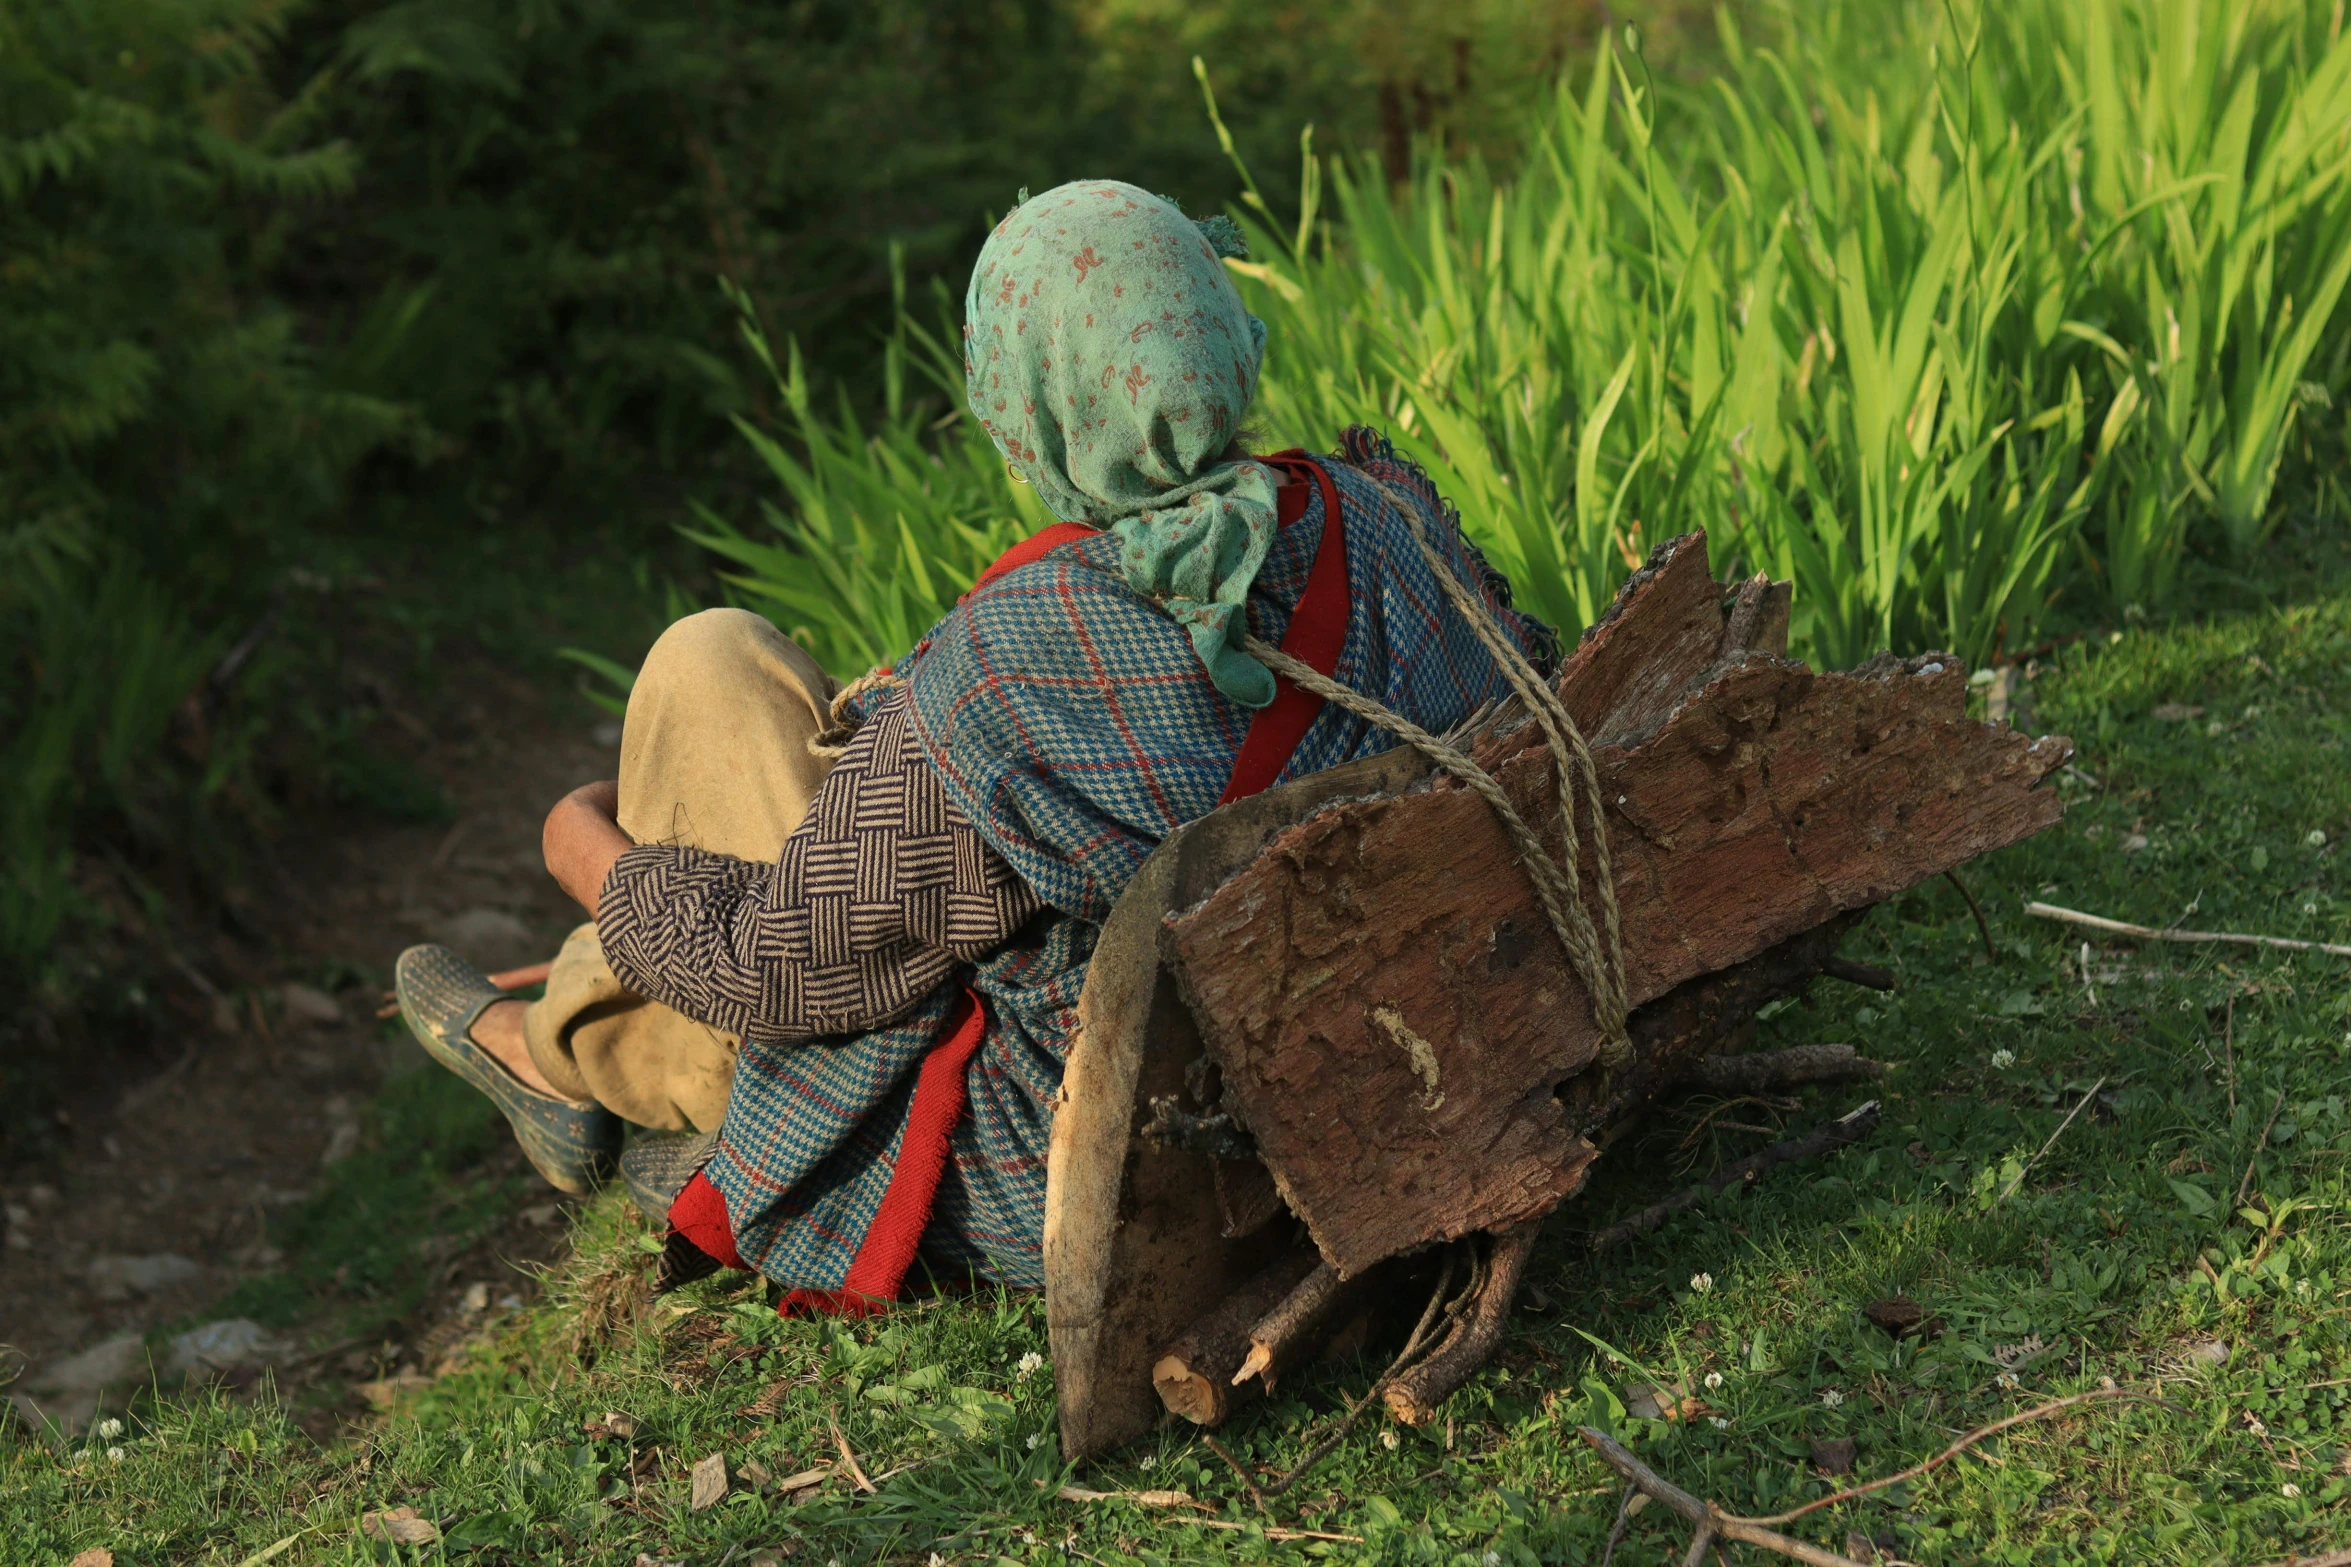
(582, 839)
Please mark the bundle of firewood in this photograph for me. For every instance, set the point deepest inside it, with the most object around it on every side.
(1329, 1029)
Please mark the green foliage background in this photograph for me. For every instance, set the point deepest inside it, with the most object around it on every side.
(302, 296)
(1983, 323)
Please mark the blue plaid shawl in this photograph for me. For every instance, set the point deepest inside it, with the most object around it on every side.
(1076, 729)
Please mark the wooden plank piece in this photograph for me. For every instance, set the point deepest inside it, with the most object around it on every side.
(1392, 1015)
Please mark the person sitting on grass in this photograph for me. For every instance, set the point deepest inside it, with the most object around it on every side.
(839, 935)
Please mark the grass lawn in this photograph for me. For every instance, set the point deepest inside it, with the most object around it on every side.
(2123, 1252)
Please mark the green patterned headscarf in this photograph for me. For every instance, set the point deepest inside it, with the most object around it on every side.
(1108, 355)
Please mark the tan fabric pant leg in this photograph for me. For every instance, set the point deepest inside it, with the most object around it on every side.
(716, 753)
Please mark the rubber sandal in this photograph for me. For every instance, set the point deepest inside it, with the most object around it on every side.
(657, 1165)
(441, 995)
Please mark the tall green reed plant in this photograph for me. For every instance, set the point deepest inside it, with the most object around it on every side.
(1848, 307)
(886, 523)
(1942, 310)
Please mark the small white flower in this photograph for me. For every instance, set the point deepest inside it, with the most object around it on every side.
(1713, 1379)
(2314, 839)
(2002, 1060)
(2254, 1425)
(1700, 1283)
(2289, 1489)
(114, 1455)
(109, 1429)
(1029, 1365)
(2310, 908)
(936, 1560)
(1150, 1460)
(1831, 1397)
(1718, 1422)
(1492, 1559)
(1388, 1438)
(2301, 1286)
(1036, 1440)
(2006, 1379)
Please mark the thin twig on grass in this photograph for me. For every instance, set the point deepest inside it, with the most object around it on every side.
(1713, 1523)
(1983, 926)
(1624, 1516)
(2228, 1050)
(1758, 1071)
(2245, 1186)
(2021, 1417)
(2010, 1190)
(1850, 1127)
(848, 1457)
(2330, 1559)
(1272, 1532)
(2050, 911)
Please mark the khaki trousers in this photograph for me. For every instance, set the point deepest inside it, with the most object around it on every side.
(717, 752)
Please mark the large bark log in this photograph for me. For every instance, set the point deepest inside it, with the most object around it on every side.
(1395, 1022)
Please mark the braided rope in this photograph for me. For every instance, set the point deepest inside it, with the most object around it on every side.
(1597, 955)
(842, 725)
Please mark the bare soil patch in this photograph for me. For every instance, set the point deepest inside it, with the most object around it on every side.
(160, 1198)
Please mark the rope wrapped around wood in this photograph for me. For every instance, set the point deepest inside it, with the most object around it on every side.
(1595, 953)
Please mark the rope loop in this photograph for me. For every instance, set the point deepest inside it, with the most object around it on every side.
(1595, 953)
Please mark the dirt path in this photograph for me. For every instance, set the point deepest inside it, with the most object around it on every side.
(160, 1202)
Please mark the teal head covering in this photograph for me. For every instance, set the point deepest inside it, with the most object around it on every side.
(1108, 355)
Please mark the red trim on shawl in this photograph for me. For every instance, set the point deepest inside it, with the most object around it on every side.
(1316, 634)
(1036, 546)
(1289, 505)
(699, 1213)
(879, 1269)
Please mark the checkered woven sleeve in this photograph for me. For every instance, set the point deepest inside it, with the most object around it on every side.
(879, 895)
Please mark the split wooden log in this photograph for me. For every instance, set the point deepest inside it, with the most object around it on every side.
(1199, 1377)
(1381, 990)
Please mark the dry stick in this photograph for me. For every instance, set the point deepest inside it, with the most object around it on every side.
(2050, 911)
(1867, 975)
(1414, 1395)
(1763, 1070)
(2245, 1186)
(2037, 1412)
(848, 1457)
(1275, 1338)
(1194, 1375)
(1272, 1532)
(1403, 1362)
(2010, 1190)
(1850, 1127)
(1711, 1520)
(1624, 1516)
(2228, 1051)
(1983, 927)
(2330, 1559)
